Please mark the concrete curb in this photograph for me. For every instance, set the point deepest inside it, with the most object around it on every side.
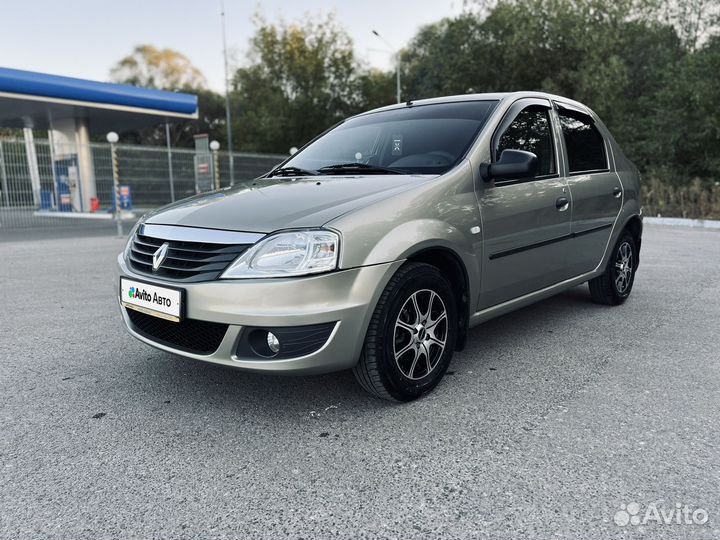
(683, 222)
(84, 215)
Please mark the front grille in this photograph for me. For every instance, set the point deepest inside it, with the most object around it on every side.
(199, 337)
(186, 261)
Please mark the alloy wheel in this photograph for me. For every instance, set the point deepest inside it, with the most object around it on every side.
(623, 267)
(420, 334)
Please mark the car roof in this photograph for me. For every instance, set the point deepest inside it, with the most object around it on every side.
(495, 96)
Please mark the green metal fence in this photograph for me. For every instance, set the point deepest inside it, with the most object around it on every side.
(49, 184)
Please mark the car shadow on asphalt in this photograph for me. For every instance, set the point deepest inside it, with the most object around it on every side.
(190, 380)
(548, 316)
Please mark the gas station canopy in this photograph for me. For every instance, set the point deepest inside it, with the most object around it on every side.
(70, 110)
(39, 100)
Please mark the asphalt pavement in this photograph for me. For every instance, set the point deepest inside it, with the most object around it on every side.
(551, 423)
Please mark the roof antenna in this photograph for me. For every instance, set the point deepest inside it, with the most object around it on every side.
(409, 103)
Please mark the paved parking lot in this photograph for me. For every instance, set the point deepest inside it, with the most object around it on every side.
(550, 420)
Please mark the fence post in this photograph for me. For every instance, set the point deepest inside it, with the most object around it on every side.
(3, 177)
(51, 148)
(170, 166)
(215, 146)
(112, 138)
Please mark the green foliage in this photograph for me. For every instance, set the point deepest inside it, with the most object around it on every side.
(688, 123)
(302, 80)
(696, 199)
(648, 68)
(150, 67)
(375, 89)
(211, 120)
(167, 69)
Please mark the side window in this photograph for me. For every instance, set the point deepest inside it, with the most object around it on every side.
(585, 146)
(530, 131)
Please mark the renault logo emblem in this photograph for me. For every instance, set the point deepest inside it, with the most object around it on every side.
(159, 256)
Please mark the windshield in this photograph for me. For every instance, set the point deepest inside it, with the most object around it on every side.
(424, 139)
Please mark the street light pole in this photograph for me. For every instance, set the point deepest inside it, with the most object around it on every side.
(227, 99)
(397, 60)
(398, 76)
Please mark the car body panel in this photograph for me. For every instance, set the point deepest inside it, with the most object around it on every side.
(526, 238)
(267, 205)
(594, 203)
(441, 213)
(348, 297)
(595, 209)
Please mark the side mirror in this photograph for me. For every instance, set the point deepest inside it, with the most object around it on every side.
(513, 164)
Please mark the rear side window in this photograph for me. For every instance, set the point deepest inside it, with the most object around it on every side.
(585, 146)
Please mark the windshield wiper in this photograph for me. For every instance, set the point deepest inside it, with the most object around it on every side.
(290, 171)
(358, 167)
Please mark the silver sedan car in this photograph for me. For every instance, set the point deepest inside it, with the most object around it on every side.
(378, 244)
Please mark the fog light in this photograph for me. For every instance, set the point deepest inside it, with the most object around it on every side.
(273, 342)
(283, 342)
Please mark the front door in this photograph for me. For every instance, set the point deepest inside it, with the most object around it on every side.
(526, 222)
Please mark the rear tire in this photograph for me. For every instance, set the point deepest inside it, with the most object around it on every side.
(411, 336)
(615, 284)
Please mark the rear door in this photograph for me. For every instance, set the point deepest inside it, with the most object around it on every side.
(526, 222)
(595, 188)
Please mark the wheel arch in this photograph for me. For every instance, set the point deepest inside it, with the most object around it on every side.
(635, 226)
(452, 266)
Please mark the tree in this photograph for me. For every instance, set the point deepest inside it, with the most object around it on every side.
(166, 69)
(211, 120)
(441, 60)
(375, 89)
(695, 20)
(150, 67)
(688, 119)
(302, 79)
(611, 55)
(647, 67)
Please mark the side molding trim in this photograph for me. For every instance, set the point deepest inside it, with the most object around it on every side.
(513, 251)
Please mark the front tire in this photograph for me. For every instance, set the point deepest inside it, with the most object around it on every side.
(614, 285)
(411, 336)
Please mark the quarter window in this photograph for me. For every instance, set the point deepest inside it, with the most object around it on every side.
(530, 131)
(585, 146)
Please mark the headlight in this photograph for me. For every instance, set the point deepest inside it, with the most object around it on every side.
(293, 253)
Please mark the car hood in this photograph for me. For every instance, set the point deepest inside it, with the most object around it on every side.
(267, 205)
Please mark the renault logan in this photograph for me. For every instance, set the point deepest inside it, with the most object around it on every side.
(377, 245)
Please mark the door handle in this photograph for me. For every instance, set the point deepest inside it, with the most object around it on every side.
(562, 204)
(617, 192)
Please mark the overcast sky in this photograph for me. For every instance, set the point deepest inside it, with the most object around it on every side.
(84, 38)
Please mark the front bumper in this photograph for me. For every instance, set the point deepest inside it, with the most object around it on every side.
(347, 297)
